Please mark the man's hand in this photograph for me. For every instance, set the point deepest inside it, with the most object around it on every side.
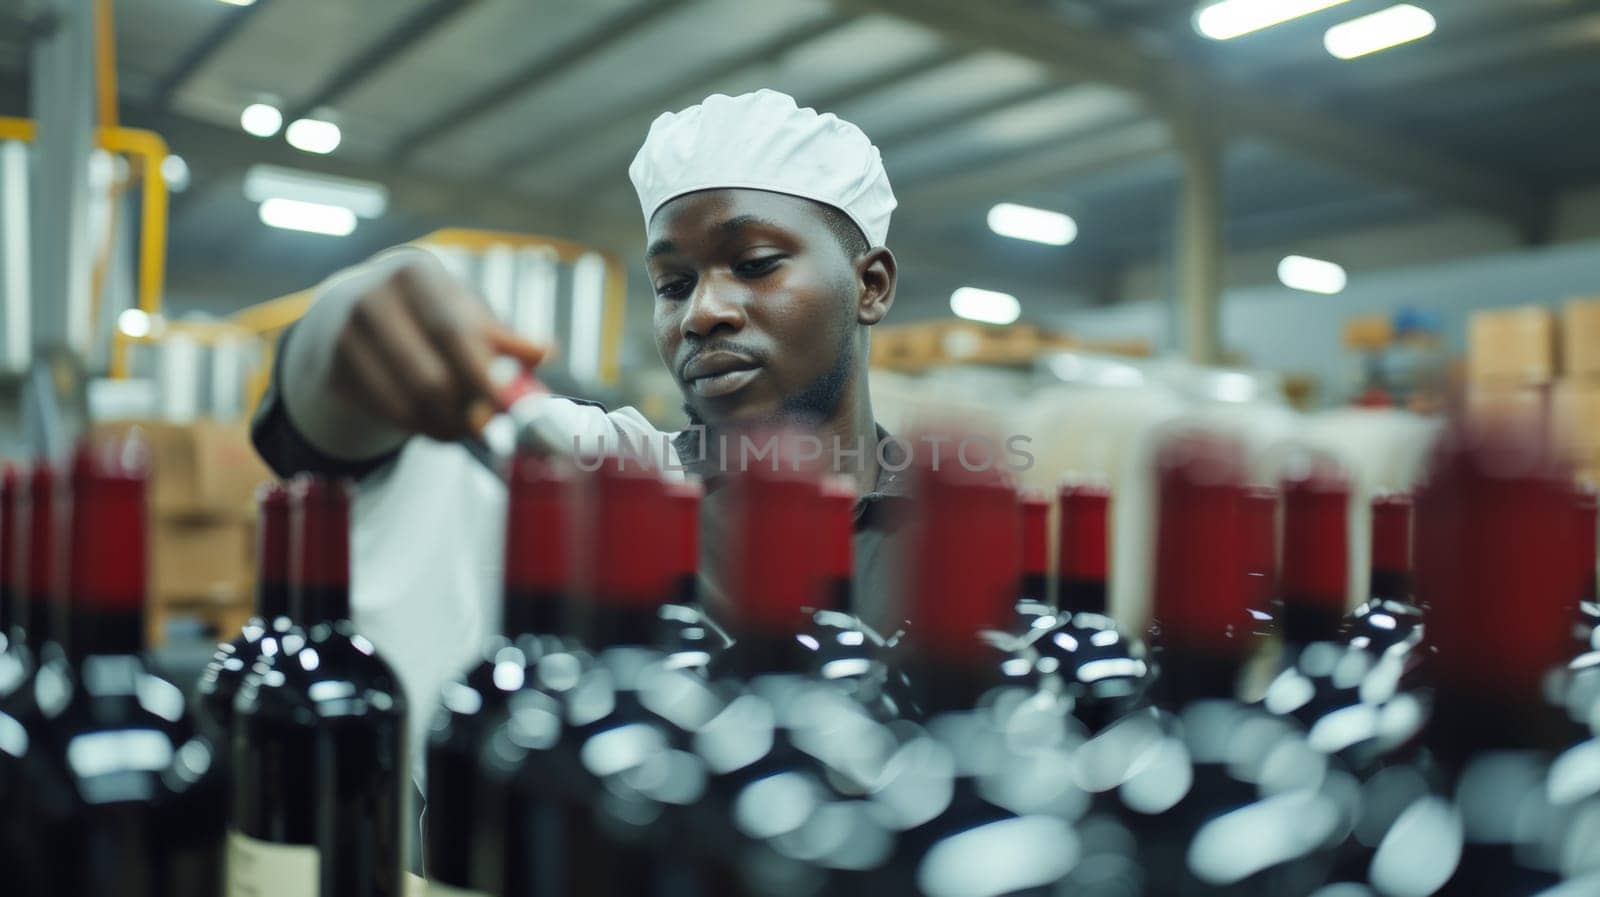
(416, 349)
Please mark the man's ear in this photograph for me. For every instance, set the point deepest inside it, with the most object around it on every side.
(876, 272)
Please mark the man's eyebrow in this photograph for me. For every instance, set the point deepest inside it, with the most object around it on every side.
(659, 247)
(738, 223)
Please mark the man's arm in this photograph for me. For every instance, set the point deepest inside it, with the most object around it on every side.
(389, 348)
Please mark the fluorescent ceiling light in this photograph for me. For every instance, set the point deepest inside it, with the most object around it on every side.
(134, 322)
(1037, 225)
(238, 2)
(368, 199)
(1379, 31)
(1312, 275)
(261, 120)
(175, 171)
(311, 217)
(1229, 19)
(313, 135)
(987, 306)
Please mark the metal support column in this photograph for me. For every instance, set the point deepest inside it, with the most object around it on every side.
(1201, 243)
(62, 106)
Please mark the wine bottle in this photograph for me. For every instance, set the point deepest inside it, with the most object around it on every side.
(231, 663)
(977, 816)
(848, 652)
(1316, 556)
(689, 635)
(1258, 514)
(121, 792)
(1389, 619)
(319, 747)
(566, 740)
(463, 815)
(1196, 781)
(1495, 544)
(1585, 506)
(15, 659)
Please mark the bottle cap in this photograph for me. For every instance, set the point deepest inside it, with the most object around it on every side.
(538, 524)
(1035, 509)
(1316, 549)
(1085, 548)
(1391, 532)
(319, 524)
(107, 548)
(1202, 599)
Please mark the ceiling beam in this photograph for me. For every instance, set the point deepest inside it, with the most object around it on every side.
(1052, 164)
(871, 83)
(385, 52)
(669, 97)
(542, 71)
(203, 50)
(1080, 53)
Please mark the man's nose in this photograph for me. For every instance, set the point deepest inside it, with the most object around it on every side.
(713, 306)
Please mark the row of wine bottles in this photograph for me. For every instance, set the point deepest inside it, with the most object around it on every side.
(629, 735)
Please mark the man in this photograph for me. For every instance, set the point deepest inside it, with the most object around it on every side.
(765, 224)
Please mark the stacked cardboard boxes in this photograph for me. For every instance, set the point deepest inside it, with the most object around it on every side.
(1528, 369)
(202, 522)
(1577, 396)
(1512, 365)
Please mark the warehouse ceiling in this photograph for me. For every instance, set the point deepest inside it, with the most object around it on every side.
(524, 115)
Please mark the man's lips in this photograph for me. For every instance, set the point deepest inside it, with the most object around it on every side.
(714, 374)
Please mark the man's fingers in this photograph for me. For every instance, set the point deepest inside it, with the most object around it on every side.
(437, 397)
(369, 383)
(505, 342)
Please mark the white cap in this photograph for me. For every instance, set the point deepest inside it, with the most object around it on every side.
(764, 141)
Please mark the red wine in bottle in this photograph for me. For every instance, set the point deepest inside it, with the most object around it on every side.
(1316, 555)
(319, 748)
(233, 660)
(464, 815)
(1102, 670)
(1495, 544)
(1389, 619)
(688, 634)
(122, 793)
(16, 661)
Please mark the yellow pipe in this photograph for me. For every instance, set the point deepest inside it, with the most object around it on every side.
(105, 63)
(611, 324)
(16, 129)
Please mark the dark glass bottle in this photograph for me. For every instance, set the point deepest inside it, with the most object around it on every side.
(962, 569)
(36, 594)
(1200, 781)
(463, 814)
(1103, 671)
(15, 659)
(1316, 554)
(122, 794)
(1494, 565)
(1584, 507)
(690, 637)
(1389, 619)
(41, 504)
(555, 754)
(233, 660)
(319, 747)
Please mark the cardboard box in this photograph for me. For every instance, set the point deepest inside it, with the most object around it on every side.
(200, 468)
(1580, 338)
(195, 558)
(1521, 407)
(1512, 346)
(1576, 419)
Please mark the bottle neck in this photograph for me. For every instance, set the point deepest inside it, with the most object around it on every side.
(96, 631)
(839, 593)
(1304, 620)
(1188, 675)
(1033, 586)
(766, 652)
(1392, 584)
(322, 604)
(272, 599)
(617, 625)
(39, 616)
(1077, 596)
(948, 684)
(528, 610)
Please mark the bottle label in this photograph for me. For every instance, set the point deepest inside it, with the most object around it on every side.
(435, 889)
(259, 868)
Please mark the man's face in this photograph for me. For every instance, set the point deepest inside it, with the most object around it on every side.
(756, 305)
